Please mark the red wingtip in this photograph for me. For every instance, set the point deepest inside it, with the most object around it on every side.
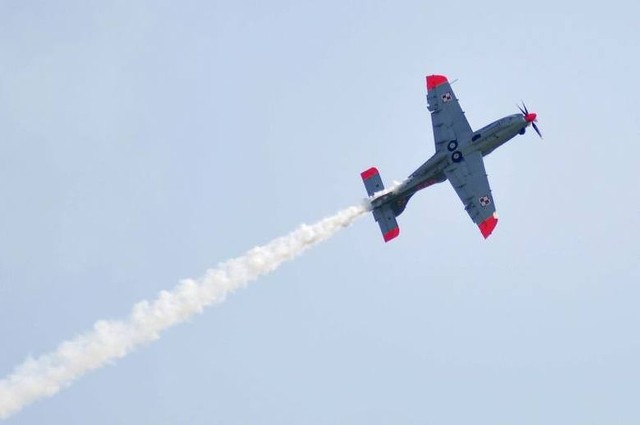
(487, 226)
(367, 174)
(391, 234)
(434, 81)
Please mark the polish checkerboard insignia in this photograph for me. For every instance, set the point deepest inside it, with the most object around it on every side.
(447, 97)
(485, 200)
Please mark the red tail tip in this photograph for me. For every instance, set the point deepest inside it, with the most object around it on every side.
(391, 234)
(367, 174)
(434, 81)
(487, 226)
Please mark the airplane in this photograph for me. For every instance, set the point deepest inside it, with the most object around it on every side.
(458, 158)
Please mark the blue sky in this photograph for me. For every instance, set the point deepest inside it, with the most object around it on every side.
(144, 143)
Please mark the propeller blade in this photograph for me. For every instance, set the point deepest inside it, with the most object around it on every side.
(523, 113)
(526, 111)
(535, 127)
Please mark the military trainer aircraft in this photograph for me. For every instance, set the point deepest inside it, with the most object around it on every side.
(458, 158)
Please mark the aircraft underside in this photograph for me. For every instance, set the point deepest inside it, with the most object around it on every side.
(458, 158)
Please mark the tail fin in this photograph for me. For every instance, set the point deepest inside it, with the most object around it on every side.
(384, 214)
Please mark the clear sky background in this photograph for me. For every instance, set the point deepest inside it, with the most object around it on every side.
(144, 142)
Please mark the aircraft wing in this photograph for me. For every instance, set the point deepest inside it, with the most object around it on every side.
(447, 117)
(469, 179)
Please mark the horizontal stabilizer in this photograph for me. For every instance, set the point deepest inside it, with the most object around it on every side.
(387, 221)
(384, 215)
(372, 181)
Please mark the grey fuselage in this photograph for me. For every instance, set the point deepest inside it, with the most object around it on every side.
(484, 140)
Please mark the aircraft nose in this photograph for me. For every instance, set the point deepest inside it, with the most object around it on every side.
(531, 117)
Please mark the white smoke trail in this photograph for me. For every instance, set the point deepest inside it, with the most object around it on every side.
(111, 339)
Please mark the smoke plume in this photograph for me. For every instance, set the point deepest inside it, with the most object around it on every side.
(109, 340)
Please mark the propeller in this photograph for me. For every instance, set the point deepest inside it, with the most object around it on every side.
(530, 117)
